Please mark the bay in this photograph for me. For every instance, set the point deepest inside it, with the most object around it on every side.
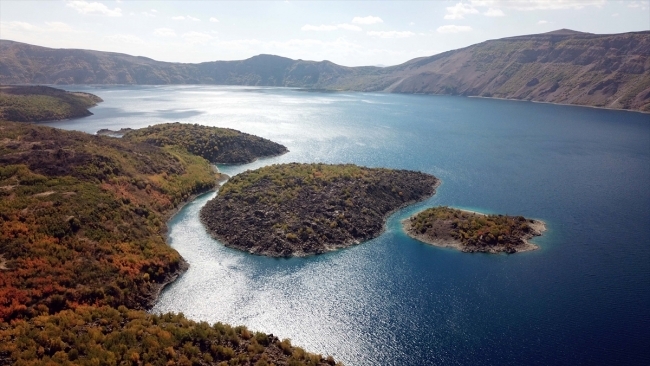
(582, 298)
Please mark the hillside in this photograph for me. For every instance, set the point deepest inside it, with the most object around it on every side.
(559, 67)
(42, 103)
(295, 209)
(82, 218)
(563, 66)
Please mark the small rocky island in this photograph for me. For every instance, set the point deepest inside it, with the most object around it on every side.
(473, 232)
(215, 144)
(303, 209)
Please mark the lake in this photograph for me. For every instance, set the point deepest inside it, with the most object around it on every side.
(582, 298)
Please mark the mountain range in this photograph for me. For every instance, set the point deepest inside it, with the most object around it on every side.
(564, 66)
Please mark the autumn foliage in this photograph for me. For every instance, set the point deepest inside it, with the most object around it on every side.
(82, 250)
(82, 218)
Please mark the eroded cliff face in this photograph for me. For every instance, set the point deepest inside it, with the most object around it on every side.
(596, 70)
(564, 66)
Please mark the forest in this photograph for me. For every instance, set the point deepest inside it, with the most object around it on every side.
(82, 253)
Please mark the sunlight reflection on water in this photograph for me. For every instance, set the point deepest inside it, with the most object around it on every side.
(393, 300)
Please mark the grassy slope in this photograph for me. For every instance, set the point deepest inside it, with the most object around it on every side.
(82, 219)
(42, 103)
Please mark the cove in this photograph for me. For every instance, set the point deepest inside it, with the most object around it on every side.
(581, 298)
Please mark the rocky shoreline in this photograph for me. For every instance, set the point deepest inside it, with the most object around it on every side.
(446, 232)
(292, 210)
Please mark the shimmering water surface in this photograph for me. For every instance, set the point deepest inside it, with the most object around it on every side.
(583, 298)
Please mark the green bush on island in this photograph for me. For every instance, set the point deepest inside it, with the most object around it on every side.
(42, 103)
(301, 209)
(217, 145)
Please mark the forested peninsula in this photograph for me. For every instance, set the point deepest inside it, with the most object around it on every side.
(217, 145)
(82, 253)
(286, 210)
(473, 232)
(42, 103)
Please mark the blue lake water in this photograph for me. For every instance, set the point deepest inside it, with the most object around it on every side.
(582, 298)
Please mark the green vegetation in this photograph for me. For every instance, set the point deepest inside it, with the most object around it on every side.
(82, 220)
(218, 145)
(301, 209)
(42, 103)
(108, 336)
(475, 232)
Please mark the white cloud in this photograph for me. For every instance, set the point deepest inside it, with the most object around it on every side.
(196, 37)
(148, 14)
(186, 17)
(214, 20)
(615, 14)
(539, 4)
(164, 32)
(58, 27)
(411, 23)
(349, 27)
(24, 26)
(124, 38)
(492, 12)
(20, 26)
(332, 27)
(454, 28)
(391, 34)
(542, 22)
(85, 7)
(367, 20)
(459, 11)
(638, 5)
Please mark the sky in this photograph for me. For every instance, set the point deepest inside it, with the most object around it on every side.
(350, 33)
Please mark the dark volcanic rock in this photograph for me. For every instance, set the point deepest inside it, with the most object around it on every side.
(302, 209)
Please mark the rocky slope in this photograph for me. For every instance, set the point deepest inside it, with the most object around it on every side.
(42, 103)
(564, 66)
(301, 209)
(473, 232)
(559, 67)
(217, 145)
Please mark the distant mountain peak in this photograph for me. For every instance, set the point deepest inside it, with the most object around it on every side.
(564, 32)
